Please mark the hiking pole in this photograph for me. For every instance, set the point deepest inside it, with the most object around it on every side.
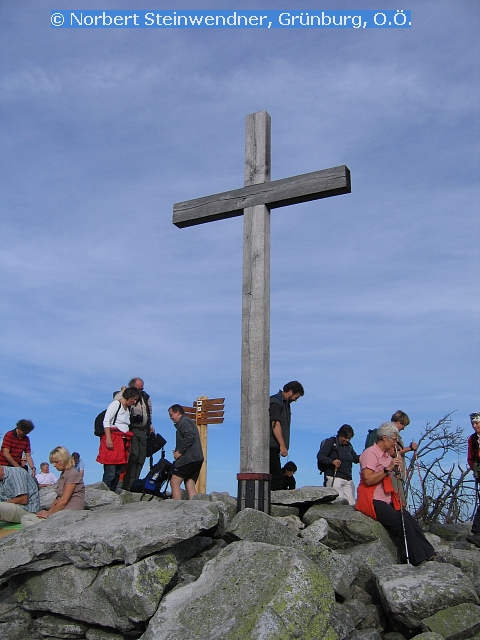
(418, 468)
(335, 452)
(400, 481)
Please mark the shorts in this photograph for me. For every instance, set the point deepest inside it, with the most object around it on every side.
(189, 471)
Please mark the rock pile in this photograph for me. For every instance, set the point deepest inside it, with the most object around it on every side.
(315, 569)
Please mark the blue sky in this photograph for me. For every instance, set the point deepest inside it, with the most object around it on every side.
(374, 295)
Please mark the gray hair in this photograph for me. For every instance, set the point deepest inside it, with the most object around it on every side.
(388, 429)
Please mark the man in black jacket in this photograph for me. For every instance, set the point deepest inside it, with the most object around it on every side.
(336, 456)
(188, 453)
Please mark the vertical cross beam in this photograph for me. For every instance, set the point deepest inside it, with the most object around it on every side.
(254, 479)
(254, 201)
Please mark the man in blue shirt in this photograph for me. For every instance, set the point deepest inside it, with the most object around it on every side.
(18, 496)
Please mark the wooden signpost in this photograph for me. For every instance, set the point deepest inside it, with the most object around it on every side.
(254, 201)
(204, 412)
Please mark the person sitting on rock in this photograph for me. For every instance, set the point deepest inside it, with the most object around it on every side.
(45, 478)
(288, 470)
(377, 498)
(19, 500)
(70, 489)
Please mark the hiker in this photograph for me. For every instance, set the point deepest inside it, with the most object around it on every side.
(45, 478)
(401, 420)
(19, 500)
(335, 458)
(70, 489)
(288, 470)
(114, 443)
(473, 459)
(15, 444)
(79, 464)
(188, 453)
(280, 418)
(377, 498)
(140, 426)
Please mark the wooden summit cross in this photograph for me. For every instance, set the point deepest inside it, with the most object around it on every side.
(254, 201)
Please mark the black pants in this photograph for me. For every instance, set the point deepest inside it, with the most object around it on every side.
(276, 470)
(136, 458)
(476, 523)
(419, 548)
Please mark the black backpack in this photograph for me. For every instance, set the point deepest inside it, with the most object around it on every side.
(156, 481)
(98, 429)
(321, 466)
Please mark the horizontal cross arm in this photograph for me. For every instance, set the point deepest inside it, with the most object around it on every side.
(279, 193)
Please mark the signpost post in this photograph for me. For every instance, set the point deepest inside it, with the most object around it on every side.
(203, 413)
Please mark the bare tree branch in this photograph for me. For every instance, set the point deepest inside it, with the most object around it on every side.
(441, 493)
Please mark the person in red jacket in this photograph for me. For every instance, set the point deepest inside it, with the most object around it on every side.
(377, 498)
(473, 459)
(115, 442)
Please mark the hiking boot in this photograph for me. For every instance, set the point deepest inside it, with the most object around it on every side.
(474, 538)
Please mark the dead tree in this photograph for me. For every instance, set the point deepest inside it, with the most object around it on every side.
(436, 489)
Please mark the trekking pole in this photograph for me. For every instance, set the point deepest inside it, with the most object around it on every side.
(418, 469)
(399, 479)
(335, 452)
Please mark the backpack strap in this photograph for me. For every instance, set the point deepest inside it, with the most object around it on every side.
(334, 448)
(146, 398)
(119, 406)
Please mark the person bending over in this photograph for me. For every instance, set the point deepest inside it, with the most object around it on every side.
(338, 455)
(280, 416)
(115, 442)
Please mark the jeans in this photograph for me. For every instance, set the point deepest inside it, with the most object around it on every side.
(111, 475)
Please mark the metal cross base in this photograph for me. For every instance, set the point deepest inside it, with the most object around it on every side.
(254, 491)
